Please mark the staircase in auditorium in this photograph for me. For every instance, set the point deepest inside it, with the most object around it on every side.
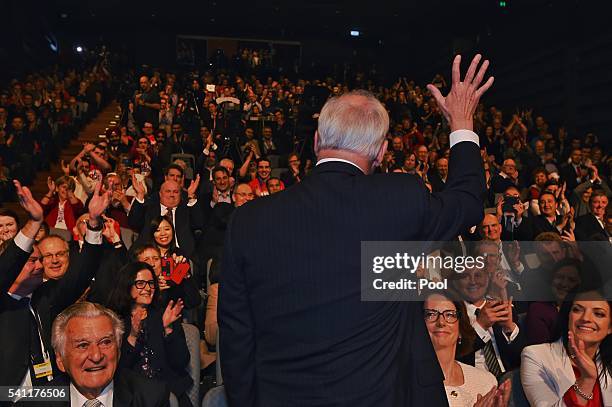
(89, 134)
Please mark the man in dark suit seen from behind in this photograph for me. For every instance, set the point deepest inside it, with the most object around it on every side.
(293, 328)
(87, 342)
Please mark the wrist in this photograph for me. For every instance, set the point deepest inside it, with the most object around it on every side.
(461, 125)
(584, 388)
(94, 224)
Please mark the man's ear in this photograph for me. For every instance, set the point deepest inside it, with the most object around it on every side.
(381, 154)
(316, 141)
(60, 363)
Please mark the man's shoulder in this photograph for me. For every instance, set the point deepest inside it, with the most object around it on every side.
(586, 218)
(130, 385)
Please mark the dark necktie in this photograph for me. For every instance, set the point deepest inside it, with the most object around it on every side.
(489, 354)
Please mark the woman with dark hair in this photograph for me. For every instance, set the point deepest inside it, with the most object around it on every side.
(576, 369)
(187, 289)
(9, 224)
(541, 319)
(162, 235)
(154, 342)
(452, 336)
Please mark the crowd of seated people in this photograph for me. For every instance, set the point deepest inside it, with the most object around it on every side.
(41, 112)
(137, 224)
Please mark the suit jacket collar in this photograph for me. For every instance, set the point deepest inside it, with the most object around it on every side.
(337, 166)
(567, 377)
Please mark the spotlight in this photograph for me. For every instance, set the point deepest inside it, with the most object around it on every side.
(78, 49)
(355, 33)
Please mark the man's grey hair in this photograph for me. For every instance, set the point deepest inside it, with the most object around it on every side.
(355, 121)
(82, 310)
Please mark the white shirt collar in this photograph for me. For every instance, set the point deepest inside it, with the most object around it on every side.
(19, 297)
(325, 160)
(471, 308)
(106, 397)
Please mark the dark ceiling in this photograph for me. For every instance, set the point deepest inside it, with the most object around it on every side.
(378, 20)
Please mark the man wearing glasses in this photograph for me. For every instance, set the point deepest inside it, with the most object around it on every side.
(28, 305)
(55, 257)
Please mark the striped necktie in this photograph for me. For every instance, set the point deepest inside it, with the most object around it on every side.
(490, 356)
(93, 403)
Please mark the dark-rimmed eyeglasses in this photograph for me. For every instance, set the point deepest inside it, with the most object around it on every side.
(140, 284)
(52, 256)
(432, 315)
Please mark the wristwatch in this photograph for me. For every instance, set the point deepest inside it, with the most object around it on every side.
(97, 228)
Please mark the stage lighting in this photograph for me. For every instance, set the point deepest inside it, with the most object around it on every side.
(78, 49)
(502, 4)
(355, 33)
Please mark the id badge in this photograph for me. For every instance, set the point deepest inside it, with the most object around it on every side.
(43, 370)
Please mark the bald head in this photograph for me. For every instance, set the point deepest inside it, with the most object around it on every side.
(170, 194)
(442, 167)
(490, 228)
(144, 83)
(242, 194)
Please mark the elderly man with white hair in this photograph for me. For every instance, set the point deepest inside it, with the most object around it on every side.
(87, 342)
(293, 328)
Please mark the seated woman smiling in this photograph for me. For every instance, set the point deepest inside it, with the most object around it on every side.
(574, 370)
(452, 335)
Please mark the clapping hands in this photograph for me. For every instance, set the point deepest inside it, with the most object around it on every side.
(172, 314)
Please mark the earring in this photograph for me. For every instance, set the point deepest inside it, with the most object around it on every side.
(459, 341)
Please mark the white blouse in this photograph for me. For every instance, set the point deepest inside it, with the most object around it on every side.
(475, 381)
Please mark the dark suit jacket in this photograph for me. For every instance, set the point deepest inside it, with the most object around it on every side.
(129, 390)
(510, 353)
(293, 328)
(51, 298)
(588, 228)
(499, 184)
(207, 210)
(188, 221)
(169, 356)
(568, 174)
(437, 185)
(532, 226)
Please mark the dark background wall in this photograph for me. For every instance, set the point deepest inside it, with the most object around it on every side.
(554, 56)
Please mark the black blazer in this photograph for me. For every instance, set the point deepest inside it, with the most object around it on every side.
(293, 328)
(51, 298)
(437, 185)
(129, 390)
(588, 228)
(169, 356)
(188, 221)
(510, 353)
(532, 226)
(568, 174)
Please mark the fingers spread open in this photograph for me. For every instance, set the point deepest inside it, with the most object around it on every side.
(481, 73)
(469, 76)
(485, 87)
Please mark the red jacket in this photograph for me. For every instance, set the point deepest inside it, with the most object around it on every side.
(71, 212)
